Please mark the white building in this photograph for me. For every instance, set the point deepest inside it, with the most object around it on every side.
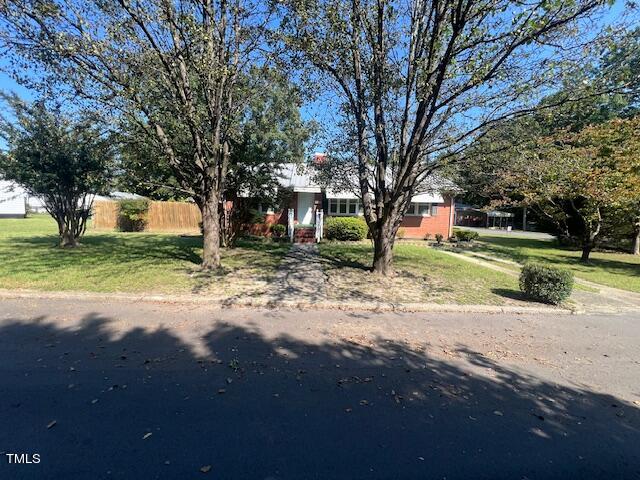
(13, 200)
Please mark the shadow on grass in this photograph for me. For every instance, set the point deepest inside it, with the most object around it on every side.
(100, 248)
(253, 258)
(124, 253)
(347, 255)
(512, 294)
(157, 403)
(551, 251)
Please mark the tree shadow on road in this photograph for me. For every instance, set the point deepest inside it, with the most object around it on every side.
(253, 406)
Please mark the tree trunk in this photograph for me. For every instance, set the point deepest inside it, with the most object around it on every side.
(636, 242)
(383, 241)
(586, 251)
(67, 239)
(211, 233)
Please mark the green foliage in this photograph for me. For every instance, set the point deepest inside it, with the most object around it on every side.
(345, 228)
(133, 215)
(278, 230)
(545, 283)
(63, 160)
(466, 235)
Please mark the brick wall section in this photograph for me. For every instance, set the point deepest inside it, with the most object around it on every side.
(418, 227)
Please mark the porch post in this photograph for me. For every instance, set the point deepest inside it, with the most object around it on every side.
(290, 224)
(319, 224)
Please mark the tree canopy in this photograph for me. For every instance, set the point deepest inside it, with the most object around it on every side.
(418, 82)
(175, 68)
(64, 161)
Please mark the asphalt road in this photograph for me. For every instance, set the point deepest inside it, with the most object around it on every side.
(144, 391)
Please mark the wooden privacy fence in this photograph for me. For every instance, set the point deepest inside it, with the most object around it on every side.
(162, 216)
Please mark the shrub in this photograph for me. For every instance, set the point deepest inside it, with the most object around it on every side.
(278, 230)
(401, 233)
(427, 236)
(546, 284)
(439, 238)
(345, 228)
(132, 215)
(466, 235)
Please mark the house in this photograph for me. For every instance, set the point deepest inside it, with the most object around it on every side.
(13, 200)
(431, 211)
(467, 216)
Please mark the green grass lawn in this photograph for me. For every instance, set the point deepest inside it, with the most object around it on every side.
(124, 262)
(423, 275)
(618, 270)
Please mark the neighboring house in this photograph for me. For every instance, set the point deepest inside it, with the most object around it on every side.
(430, 212)
(13, 200)
(116, 195)
(467, 216)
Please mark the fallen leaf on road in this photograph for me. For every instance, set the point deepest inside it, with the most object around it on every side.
(147, 435)
(498, 412)
(51, 424)
(205, 469)
(221, 391)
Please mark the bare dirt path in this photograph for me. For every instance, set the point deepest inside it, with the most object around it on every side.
(141, 390)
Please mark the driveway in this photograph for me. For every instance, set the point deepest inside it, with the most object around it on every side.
(512, 234)
(146, 390)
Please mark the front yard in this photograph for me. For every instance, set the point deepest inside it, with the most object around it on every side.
(125, 262)
(116, 262)
(422, 275)
(618, 270)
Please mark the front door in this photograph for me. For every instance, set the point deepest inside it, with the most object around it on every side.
(305, 208)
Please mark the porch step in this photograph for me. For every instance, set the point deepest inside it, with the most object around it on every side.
(304, 235)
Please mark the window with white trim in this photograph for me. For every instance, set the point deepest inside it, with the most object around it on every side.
(421, 209)
(344, 206)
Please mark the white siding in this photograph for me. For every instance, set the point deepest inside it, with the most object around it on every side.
(12, 199)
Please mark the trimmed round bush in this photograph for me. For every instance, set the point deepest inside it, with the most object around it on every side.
(466, 235)
(278, 230)
(345, 228)
(546, 284)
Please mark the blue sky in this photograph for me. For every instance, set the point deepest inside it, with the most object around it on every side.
(322, 110)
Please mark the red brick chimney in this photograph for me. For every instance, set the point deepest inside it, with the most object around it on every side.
(319, 158)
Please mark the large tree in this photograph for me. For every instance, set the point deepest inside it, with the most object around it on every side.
(419, 80)
(65, 162)
(575, 179)
(513, 155)
(270, 133)
(124, 54)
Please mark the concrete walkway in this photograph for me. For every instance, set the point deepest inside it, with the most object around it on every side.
(300, 277)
